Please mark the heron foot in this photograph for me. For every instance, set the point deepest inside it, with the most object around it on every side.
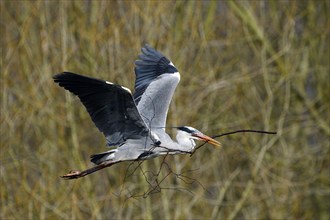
(73, 174)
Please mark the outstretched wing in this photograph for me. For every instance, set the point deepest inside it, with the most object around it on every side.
(110, 106)
(151, 64)
(156, 80)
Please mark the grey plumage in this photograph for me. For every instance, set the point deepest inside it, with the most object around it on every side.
(133, 125)
(151, 64)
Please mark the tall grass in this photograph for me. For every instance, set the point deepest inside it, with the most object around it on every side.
(244, 65)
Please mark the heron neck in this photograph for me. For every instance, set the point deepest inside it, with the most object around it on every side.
(185, 141)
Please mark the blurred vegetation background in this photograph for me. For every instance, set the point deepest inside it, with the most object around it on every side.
(244, 65)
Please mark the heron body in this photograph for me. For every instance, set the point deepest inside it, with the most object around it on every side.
(133, 124)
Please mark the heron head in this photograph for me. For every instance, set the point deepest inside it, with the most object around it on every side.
(193, 133)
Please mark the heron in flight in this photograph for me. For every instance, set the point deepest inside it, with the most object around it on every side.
(134, 125)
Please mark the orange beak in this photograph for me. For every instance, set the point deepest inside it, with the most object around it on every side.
(208, 139)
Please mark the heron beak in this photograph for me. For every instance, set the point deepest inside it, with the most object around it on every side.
(207, 139)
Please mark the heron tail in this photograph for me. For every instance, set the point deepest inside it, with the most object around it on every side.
(101, 157)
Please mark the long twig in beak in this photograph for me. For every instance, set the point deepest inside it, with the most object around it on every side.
(244, 131)
(234, 132)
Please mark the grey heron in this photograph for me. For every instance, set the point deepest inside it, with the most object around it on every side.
(134, 125)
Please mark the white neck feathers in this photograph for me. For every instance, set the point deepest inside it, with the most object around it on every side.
(184, 140)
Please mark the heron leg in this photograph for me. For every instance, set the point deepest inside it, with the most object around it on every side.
(75, 174)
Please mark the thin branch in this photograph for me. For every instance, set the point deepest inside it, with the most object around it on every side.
(233, 132)
(244, 131)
